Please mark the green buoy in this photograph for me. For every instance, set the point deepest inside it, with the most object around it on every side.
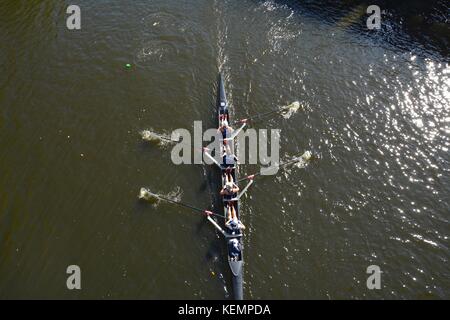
(128, 66)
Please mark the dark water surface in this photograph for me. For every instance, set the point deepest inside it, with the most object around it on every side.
(72, 162)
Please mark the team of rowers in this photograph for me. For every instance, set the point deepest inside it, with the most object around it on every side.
(230, 188)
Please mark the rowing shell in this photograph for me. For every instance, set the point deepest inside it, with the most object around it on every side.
(235, 263)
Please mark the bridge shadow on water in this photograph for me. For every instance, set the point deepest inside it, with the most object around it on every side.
(419, 26)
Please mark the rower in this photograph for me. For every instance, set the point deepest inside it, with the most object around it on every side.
(229, 159)
(230, 189)
(234, 249)
(233, 223)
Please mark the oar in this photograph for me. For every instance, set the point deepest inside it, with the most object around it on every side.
(153, 136)
(205, 152)
(157, 136)
(185, 205)
(305, 157)
(168, 139)
(294, 105)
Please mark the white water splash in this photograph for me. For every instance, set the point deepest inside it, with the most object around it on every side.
(146, 194)
(175, 195)
(150, 136)
(304, 159)
(161, 139)
(307, 156)
(290, 110)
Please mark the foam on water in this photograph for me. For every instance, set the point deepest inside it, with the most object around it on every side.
(175, 195)
(307, 155)
(160, 139)
(303, 160)
(149, 136)
(291, 109)
(146, 194)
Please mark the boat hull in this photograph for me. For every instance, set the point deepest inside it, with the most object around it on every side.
(235, 264)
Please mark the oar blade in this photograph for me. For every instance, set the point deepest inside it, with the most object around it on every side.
(289, 110)
(307, 156)
(303, 160)
(146, 195)
(150, 136)
(159, 139)
(299, 162)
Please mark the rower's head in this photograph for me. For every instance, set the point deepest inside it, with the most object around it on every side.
(234, 225)
(229, 186)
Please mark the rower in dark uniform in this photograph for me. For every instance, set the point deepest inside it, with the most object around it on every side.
(233, 223)
(234, 248)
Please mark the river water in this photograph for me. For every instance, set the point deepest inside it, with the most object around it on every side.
(376, 117)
